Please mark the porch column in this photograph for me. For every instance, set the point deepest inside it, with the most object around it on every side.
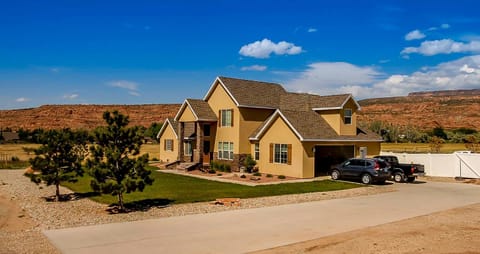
(180, 141)
(200, 141)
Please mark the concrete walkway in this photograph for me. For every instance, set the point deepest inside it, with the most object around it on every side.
(241, 231)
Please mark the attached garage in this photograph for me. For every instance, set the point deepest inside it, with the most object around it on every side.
(327, 156)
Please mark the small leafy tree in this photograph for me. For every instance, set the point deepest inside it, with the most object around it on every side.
(249, 163)
(436, 144)
(113, 164)
(472, 143)
(59, 158)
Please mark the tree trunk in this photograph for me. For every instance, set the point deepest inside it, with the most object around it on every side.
(120, 202)
(57, 191)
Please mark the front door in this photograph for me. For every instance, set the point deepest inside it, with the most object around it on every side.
(206, 152)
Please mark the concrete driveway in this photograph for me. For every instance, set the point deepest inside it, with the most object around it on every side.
(241, 231)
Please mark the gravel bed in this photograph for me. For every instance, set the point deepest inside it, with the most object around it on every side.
(83, 212)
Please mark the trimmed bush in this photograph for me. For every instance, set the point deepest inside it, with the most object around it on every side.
(281, 177)
(257, 174)
(269, 175)
(243, 176)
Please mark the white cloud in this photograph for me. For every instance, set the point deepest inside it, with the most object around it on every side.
(265, 47)
(70, 96)
(333, 77)
(445, 46)
(414, 35)
(22, 99)
(134, 93)
(254, 68)
(132, 87)
(366, 82)
(55, 70)
(444, 26)
(312, 30)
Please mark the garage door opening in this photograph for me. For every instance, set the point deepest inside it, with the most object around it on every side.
(328, 156)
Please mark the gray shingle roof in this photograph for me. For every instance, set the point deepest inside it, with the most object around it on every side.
(249, 93)
(311, 126)
(202, 110)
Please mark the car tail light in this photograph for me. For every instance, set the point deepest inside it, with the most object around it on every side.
(413, 169)
(377, 166)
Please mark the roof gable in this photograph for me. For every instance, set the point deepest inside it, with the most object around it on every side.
(310, 126)
(249, 93)
(200, 109)
(169, 122)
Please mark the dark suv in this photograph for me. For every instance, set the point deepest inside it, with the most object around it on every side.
(366, 170)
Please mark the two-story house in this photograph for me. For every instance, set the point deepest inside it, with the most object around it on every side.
(292, 134)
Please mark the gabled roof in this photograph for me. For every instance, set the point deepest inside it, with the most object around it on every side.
(189, 130)
(310, 126)
(249, 93)
(332, 102)
(169, 122)
(200, 109)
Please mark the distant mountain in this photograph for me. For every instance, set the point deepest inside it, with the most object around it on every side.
(82, 116)
(425, 110)
(451, 109)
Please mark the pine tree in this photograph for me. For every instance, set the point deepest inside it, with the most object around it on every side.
(114, 163)
(59, 158)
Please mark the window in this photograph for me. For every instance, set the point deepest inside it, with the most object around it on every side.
(168, 145)
(226, 118)
(257, 152)
(347, 116)
(187, 148)
(281, 153)
(225, 150)
(206, 130)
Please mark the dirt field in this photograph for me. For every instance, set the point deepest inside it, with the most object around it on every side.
(452, 231)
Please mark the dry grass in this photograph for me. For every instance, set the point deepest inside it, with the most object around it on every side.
(420, 148)
(7, 151)
(16, 150)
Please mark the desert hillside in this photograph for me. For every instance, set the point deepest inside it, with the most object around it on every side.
(82, 116)
(426, 110)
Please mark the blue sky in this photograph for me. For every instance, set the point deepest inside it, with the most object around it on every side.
(143, 52)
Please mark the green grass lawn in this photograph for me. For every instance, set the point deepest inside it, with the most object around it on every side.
(177, 189)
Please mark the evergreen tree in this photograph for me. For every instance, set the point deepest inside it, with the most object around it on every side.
(114, 163)
(59, 158)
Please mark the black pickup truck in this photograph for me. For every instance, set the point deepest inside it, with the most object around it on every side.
(401, 171)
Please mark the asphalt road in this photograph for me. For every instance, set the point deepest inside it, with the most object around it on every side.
(242, 231)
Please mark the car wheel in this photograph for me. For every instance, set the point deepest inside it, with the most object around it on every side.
(366, 179)
(411, 179)
(335, 174)
(398, 177)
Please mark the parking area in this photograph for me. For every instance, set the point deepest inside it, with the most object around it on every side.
(247, 230)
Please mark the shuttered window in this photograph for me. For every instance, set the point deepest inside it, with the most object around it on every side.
(281, 153)
(168, 145)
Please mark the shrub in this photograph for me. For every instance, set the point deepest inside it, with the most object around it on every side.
(257, 174)
(249, 163)
(219, 174)
(269, 175)
(212, 171)
(155, 159)
(243, 176)
(15, 158)
(281, 177)
(220, 166)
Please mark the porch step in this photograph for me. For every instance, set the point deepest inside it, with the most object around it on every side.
(187, 166)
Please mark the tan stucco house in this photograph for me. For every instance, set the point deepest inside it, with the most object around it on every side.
(292, 134)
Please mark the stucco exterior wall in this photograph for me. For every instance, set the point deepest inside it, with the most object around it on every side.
(218, 100)
(250, 120)
(280, 133)
(349, 129)
(332, 117)
(187, 115)
(168, 156)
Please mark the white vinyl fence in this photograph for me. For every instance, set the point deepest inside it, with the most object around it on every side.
(446, 165)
